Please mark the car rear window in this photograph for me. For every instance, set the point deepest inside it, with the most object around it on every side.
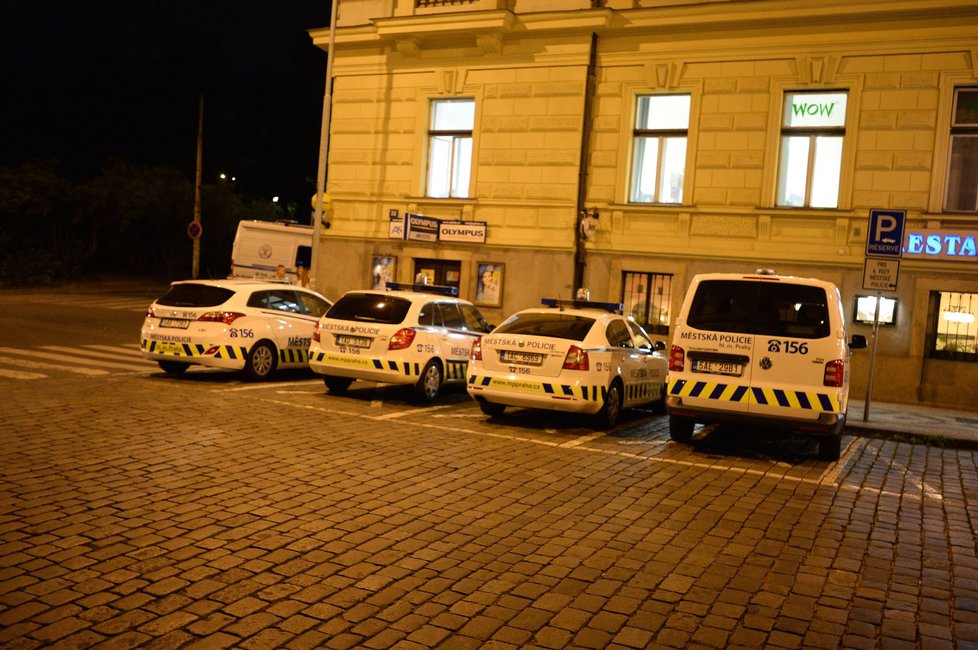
(370, 308)
(195, 295)
(556, 325)
(768, 308)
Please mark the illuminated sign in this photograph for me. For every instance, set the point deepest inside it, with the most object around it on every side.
(815, 110)
(943, 245)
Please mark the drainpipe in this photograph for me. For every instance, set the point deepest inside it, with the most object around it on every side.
(583, 214)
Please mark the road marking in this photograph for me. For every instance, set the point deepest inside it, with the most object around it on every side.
(576, 442)
(306, 382)
(17, 374)
(27, 363)
(399, 414)
(85, 351)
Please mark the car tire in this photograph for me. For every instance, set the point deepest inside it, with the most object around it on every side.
(681, 429)
(611, 411)
(261, 361)
(830, 447)
(337, 384)
(173, 367)
(429, 383)
(492, 410)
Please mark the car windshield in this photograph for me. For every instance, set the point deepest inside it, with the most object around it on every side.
(195, 295)
(553, 324)
(769, 308)
(370, 308)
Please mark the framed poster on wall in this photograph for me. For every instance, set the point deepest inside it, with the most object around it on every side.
(489, 284)
(383, 271)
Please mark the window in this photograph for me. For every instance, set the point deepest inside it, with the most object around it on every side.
(962, 172)
(450, 148)
(618, 335)
(812, 132)
(953, 326)
(770, 309)
(647, 298)
(659, 146)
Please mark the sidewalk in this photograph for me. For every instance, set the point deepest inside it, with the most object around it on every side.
(958, 427)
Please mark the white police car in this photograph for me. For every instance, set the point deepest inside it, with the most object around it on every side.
(578, 356)
(249, 325)
(416, 335)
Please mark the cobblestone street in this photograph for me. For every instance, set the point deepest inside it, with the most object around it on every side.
(203, 512)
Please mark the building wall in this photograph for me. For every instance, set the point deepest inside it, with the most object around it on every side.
(526, 64)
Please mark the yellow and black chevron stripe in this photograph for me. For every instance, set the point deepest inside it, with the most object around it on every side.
(798, 399)
(174, 349)
(293, 355)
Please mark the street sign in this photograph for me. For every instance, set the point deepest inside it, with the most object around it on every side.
(885, 236)
(880, 274)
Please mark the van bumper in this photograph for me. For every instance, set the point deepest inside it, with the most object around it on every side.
(827, 424)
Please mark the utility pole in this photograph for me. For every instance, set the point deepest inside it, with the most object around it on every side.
(200, 157)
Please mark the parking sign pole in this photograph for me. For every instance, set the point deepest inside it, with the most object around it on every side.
(872, 356)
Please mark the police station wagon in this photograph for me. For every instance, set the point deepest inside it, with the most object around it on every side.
(576, 356)
(248, 325)
(414, 335)
(761, 349)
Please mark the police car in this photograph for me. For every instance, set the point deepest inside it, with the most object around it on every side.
(248, 325)
(415, 335)
(578, 356)
(761, 349)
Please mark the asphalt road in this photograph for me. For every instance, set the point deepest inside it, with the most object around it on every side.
(141, 509)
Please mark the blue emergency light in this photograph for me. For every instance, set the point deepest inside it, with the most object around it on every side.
(614, 307)
(441, 290)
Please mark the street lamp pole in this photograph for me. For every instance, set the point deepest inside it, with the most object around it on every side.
(323, 149)
(200, 158)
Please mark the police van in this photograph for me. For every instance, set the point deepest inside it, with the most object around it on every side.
(761, 349)
(261, 246)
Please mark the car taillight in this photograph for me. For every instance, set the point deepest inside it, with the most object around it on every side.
(576, 359)
(150, 313)
(835, 373)
(677, 358)
(226, 317)
(315, 332)
(476, 353)
(402, 338)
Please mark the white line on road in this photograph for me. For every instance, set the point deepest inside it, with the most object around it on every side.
(27, 363)
(71, 358)
(17, 374)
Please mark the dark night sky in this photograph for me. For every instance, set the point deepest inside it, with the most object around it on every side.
(87, 81)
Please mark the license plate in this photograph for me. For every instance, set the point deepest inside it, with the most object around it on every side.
(177, 323)
(353, 341)
(521, 358)
(718, 367)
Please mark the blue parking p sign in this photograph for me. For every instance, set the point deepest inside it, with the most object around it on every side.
(885, 236)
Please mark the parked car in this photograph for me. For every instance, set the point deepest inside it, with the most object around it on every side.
(248, 325)
(415, 335)
(577, 356)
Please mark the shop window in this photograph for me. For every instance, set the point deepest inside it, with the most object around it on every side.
(450, 148)
(659, 149)
(865, 312)
(952, 329)
(647, 298)
(962, 172)
(812, 132)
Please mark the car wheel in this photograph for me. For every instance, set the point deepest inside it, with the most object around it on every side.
(337, 384)
(492, 410)
(426, 390)
(830, 447)
(173, 367)
(611, 411)
(261, 361)
(681, 429)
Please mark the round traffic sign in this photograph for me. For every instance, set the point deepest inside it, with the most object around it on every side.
(194, 230)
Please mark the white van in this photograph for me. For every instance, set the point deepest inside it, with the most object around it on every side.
(761, 349)
(261, 246)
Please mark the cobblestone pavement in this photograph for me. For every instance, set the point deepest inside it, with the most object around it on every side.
(198, 511)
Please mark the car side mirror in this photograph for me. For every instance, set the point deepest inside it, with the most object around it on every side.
(858, 342)
(660, 345)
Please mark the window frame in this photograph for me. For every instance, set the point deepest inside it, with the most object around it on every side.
(664, 302)
(456, 136)
(958, 130)
(933, 333)
(661, 136)
(812, 133)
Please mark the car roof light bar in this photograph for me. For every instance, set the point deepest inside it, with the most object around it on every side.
(441, 290)
(614, 307)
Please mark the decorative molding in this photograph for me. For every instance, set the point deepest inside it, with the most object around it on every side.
(662, 75)
(818, 69)
(408, 47)
(490, 43)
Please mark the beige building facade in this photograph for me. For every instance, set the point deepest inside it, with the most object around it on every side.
(626, 145)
